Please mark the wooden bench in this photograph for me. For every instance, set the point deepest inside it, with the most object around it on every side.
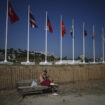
(24, 87)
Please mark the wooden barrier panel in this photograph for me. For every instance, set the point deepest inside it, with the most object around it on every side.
(61, 74)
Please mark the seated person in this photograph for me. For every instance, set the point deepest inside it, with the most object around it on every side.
(46, 81)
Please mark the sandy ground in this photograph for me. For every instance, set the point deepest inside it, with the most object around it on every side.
(65, 100)
(91, 93)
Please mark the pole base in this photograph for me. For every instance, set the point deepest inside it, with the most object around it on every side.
(6, 62)
(93, 62)
(28, 63)
(62, 62)
(74, 62)
(83, 63)
(45, 63)
(103, 62)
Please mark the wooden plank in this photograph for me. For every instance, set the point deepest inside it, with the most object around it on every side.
(29, 87)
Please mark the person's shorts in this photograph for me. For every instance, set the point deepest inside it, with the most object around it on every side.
(46, 83)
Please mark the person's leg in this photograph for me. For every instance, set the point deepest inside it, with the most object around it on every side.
(53, 92)
(47, 83)
(52, 89)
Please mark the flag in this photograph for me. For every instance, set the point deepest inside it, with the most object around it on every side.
(93, 37)
(71, 31)
(63, 28)
(12, 14)
(49, 25)
(32, 20)
(85, 33)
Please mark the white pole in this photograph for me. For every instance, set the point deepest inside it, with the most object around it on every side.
(83, 43)
(46, 39)
(103, 42)
(61, 41)
(5, 60)
(73, 39)
(28, 36)
(93, 44)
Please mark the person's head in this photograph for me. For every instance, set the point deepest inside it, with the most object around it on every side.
(45, 72)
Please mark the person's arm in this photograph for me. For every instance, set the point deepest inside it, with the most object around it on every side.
(49, 78)
(41, 78)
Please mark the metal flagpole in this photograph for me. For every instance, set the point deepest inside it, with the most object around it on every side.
(46, 39)
(61, 41)
(6, 34)
(73, 39)
(93, 44)
(103, 42)
(83, 43)
(28, 36)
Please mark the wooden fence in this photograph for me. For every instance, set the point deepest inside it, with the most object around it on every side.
(60, 74)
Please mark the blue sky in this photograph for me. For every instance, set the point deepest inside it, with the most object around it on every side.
(88, 11)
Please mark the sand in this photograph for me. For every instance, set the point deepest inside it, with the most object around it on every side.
(92, 93)
(65, 100)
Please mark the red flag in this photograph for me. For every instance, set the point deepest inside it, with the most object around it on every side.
(49, 25)
(12, 14)
(63, 28)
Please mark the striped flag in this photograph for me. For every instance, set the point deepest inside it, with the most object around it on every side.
(71, 31)
(32, 21)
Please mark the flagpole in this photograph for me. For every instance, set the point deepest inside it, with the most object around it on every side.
(73, 39)
(28, 36)
(46, 40)
(83, 43)
(103, 42)
(5, 60)
(93, 44)
(61, 41)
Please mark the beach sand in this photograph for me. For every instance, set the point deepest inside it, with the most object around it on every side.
(69, 94)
